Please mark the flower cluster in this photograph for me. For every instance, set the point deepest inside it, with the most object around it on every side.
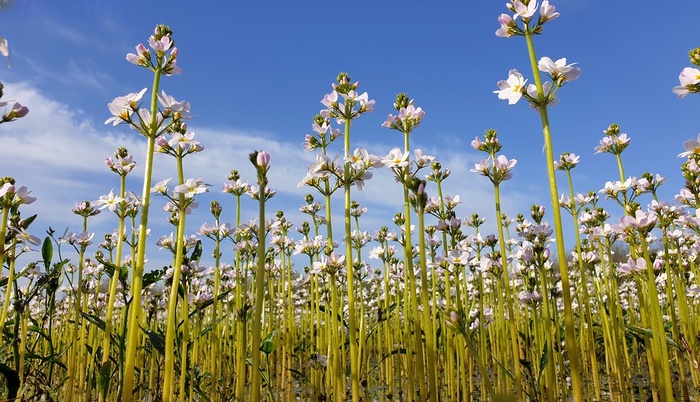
(157, 58)
(690, 77)
(354, 104)
(613, 142)
(524, 10)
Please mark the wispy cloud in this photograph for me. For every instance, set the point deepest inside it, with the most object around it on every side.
(59, 154)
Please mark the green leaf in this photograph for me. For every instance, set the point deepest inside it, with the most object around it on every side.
(94, 320)
(11, 380)
(543, 360)
(197, 252)
(267, 345)
(157, 340)
(152, 277)
(103, 377)
(28, 221)
(47, 252)
(650, 334)
(200, 307)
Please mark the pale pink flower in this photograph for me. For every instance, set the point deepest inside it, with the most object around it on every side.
(122, 107)
(525, 11)
(22, 196)
(689, 79)
(507, 26)
(547, 12)
(161, 187)
(632, 266)
(330, 100)
(191, 187)
(559, 70)
(512, 88)
(161, 45)
(396, 158)
(691, 147)
(422, 159)
(181, 108)
(140, 58)
(17, 111)
(5, 50)
(185, 142)
(24, 237)
(110, 201)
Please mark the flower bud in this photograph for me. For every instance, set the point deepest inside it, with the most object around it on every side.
(695, 56)
(262, 159)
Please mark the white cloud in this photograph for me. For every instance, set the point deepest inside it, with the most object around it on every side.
(58, 153)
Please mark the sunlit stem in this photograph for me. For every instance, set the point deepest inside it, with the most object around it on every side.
(571, 345)
(352, 322)
(169, 371)
(412, 293)
(583, 280)
(241, 317)
(675, 328)
(508, 296)
(76, 349)
(427, 325)
(620, 168)
(114, 282)
(3, 233)
(661, 358)
(216, 346)
(133, 331)
(8, 289)
(259, 296)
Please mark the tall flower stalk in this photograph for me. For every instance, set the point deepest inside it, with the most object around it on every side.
(409, 117)
(161, 59)
(355, 172)
(261, 161)
(540, 95)
(498, 169)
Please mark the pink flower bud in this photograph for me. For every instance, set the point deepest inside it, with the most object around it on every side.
(262, 159)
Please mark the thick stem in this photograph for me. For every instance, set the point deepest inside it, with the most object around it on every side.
(259, 299)
(352, 324)
(571, 345)
(133, 332)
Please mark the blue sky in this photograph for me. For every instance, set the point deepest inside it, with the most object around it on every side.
(255, 72)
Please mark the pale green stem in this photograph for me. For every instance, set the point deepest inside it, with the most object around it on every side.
(114, 283)
(11, 274)
(75, 349)
(352, 324)
(571, 345)
(412, 293)
(259, 297)
(133, 331)
(620, 168)
(512, 319)
(216, 346)
(169, 370)
(241, 319)
(661, 358)
(670, 279)
(583, 285)
(427, 325)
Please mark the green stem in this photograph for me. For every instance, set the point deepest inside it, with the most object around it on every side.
(169, 371)
(571, 345)
(512, 319)
(259, 298)
(133, 331)
(113, 285)
(427, 325)
(352, 325)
